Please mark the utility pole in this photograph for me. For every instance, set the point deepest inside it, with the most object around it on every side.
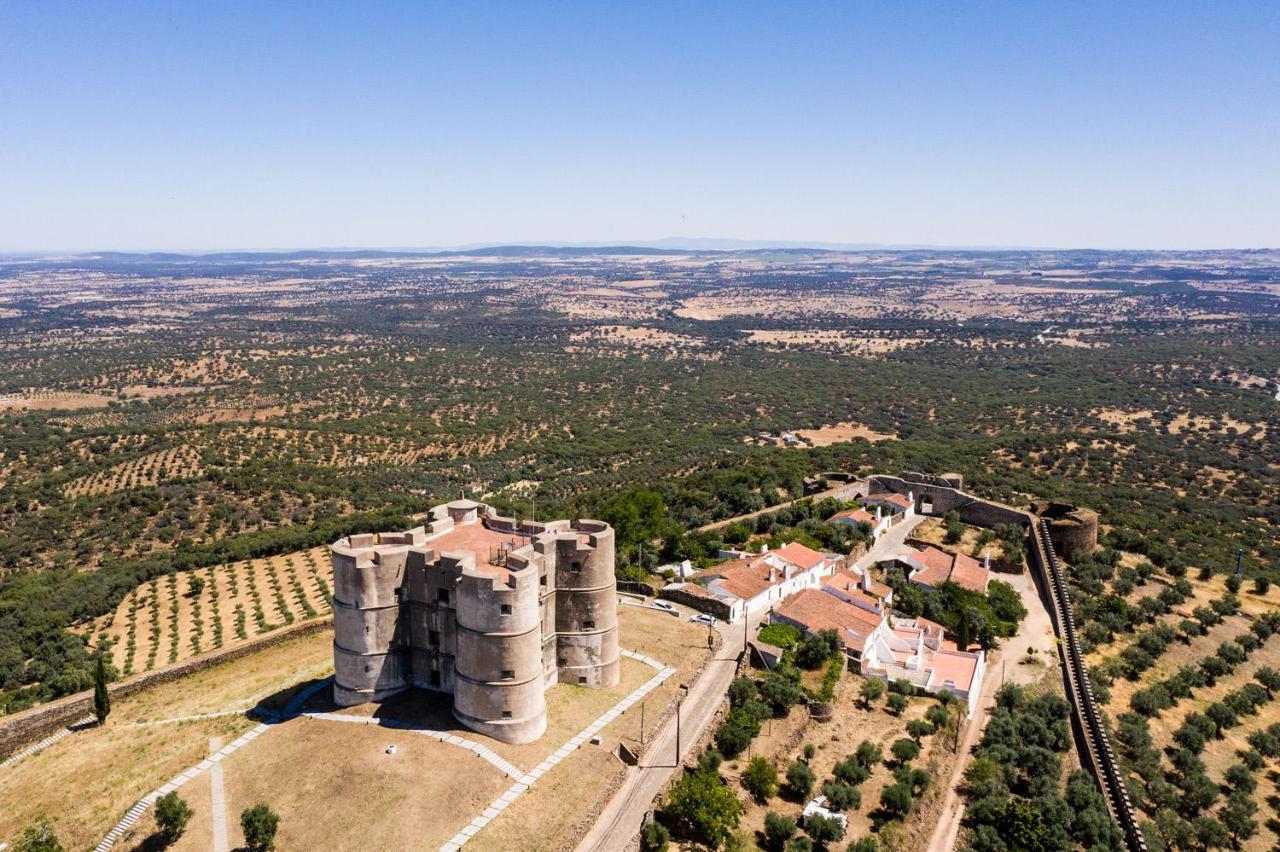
(679, 701)
(642, 724)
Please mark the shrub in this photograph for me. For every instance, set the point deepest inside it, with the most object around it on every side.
(742, 690)
(780, 635)
(897, 704)
(1261, 585)
(799, 844)
(39, 837)
(823, 829)
(800, 779)
(259, 824)
(816, 648)
(850, 772)
(870, 691)
(172, 816)
(902, 686)
(896, 799)
(705, 806)
(760, 779)
(778, 829)
(733, 736)
(917, 729)
(905, 750)
(841, 796)
(654, 837)
(865, 844)
(868, 754)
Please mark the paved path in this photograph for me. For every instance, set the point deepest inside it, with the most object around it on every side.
(48, 741)
(1036, 631)
(218, 800)
(143, 804)
(620, 820)
(524, 782)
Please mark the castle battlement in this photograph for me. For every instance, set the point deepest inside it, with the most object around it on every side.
(481, 606)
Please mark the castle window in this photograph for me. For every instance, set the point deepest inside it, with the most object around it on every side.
(508, 674)
(588, 625)
(442, 595)
(582, 678)
(563, 661)
(433, 638)
(506, 609)
(435, 678)
(575, 567)
(506, 714)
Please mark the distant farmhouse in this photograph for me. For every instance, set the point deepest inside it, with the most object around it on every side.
(479, 606)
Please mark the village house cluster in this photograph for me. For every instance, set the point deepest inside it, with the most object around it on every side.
(814, 591)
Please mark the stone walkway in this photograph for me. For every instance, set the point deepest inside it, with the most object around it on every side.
(48, 741)
(143, 804)
(525, 781)
(218, 801)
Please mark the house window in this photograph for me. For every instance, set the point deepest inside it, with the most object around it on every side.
(508, 674)
(506, 714)
(506, 609)
(588, 625)
(442, 595)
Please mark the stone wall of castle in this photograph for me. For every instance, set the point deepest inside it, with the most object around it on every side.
(409, 611)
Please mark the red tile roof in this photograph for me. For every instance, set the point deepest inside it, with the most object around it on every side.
(858, 516)
(818, 610)
(969, 573)
(899, 500)
(799, 555)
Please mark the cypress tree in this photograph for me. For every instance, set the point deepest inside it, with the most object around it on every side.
(101, 698)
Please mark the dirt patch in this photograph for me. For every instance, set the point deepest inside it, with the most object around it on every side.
(839, 433)
(52, 401)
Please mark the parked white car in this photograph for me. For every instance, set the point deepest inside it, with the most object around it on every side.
(665, 607)
(703, 618)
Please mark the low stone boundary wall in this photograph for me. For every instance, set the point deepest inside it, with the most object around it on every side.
(32, 725)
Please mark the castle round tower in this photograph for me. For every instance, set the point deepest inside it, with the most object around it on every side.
(586, 606)
(368, 656)
(498, 681)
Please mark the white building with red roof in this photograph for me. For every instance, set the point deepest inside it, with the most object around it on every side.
(894, 504)
(879, 523)
(931, 567)
(884, 645)
(757, 583)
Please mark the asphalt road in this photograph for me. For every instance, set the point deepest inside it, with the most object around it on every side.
(620, 822)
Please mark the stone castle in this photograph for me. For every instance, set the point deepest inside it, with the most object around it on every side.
(492, 611)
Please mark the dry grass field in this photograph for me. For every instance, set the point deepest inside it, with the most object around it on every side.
(87, 781)
(326, 778)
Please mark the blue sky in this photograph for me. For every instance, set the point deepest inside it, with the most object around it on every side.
(216, 126)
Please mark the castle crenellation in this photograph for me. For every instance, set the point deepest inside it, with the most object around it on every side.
(480, 606)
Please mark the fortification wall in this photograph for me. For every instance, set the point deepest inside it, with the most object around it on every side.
(1072, 530)
(21, 729)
